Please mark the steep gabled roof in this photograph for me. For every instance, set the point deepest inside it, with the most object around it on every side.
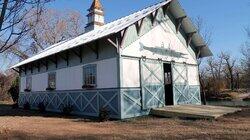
(117, 26)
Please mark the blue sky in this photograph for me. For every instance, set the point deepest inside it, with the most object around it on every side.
(225, 18)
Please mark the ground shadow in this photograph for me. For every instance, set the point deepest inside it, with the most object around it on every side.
(7, 110)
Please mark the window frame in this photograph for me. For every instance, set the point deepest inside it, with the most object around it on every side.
(94, 70)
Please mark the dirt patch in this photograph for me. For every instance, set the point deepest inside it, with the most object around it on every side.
(19, 124)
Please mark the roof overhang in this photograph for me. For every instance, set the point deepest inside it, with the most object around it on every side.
(188, 27)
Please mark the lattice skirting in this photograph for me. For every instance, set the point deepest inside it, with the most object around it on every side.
(84, 103)
(121, 103)
(186, 94)
(131, 103)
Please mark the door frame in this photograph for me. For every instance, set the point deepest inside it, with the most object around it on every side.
(172, 84)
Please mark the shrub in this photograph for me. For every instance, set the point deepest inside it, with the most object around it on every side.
(14, 90)
(41, 107)
(67, 109)
(104, 114)
(15, 106)
(26, 106)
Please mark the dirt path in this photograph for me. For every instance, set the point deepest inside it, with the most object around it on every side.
(19, 124)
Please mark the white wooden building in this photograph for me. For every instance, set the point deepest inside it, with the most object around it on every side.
(142, 61)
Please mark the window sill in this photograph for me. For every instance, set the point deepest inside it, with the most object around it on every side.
(50, 89)
(27, 90)
(89, 87)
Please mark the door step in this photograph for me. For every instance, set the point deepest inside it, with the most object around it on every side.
(193, 111)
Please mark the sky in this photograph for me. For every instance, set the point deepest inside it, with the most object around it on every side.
(226, 19)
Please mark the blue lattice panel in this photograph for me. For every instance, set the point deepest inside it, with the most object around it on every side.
(185, 94)
(131, 103)
(83, 102)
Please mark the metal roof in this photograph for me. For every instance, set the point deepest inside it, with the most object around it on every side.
(117, 26)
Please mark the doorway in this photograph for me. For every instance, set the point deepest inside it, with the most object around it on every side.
(168, 84)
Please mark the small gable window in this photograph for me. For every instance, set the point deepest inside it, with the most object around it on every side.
(89, 76)
(51, 81)
(28, 84)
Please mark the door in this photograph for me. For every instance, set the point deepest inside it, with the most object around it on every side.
(180, 84)
(184, 92)
(152, 84)
(169, 98)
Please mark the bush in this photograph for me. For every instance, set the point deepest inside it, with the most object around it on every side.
(15, 106)
(104, 114)
(67, 109)
(14, 90)
(41, 107)
(26, 106)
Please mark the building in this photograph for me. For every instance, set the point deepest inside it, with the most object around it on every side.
(142, 61)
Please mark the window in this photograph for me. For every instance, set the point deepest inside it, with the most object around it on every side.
(89, 76)
(52, 80)
(28, 83)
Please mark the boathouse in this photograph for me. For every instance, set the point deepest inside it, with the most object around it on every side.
(142, 61)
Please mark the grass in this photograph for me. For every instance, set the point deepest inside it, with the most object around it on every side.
(20, 124)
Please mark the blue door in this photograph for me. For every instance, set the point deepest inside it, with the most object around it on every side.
(152, 84)
(184, 93)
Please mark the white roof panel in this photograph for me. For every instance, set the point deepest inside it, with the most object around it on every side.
(103, 31)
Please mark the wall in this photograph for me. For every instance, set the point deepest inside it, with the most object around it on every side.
(130, 72)
(158, 41)
(71, 78)
(193, 75)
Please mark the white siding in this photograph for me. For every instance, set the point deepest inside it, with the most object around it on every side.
(71, 78)
(161, 42)
(22, 84)
(130, 73)
(39, 82)
(193, 75)
(107, 73)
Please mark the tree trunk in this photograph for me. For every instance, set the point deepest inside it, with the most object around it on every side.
(3, 11)
(231, 79)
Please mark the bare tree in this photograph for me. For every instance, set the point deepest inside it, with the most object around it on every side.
(229, 67)
(12, 20)
(53, 27)
(245, 60)
(203, 29)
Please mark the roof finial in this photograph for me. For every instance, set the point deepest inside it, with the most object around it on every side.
(96, 5)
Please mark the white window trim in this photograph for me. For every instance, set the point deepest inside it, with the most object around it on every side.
(83, 77)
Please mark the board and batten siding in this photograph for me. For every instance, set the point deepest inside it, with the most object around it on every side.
(160, 41)
(22, 84)
(71, 78)
(193, 75)
(130, 72)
